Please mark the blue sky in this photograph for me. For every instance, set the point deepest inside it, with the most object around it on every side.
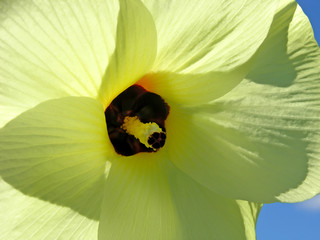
(312, 9)
(299, 221)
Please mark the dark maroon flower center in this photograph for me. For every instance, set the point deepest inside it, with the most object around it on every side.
(148, 107)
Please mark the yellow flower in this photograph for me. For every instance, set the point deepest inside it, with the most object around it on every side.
(242, 84)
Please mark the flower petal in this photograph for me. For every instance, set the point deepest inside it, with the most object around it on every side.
(51, 49)
(26, 217)
(193, 89)
(146, 197)
(136, 49)
(55, 155)
(202, 36)
(261, 141)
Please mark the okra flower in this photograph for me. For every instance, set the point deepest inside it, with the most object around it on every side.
(154, 119)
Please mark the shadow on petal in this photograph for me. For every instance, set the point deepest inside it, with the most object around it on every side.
(57, 152)
(272, 64)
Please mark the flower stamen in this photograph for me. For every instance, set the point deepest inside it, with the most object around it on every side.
(149, 134)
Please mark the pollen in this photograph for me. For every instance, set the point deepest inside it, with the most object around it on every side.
(148, 134)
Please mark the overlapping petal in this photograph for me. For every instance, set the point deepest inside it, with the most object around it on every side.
(29, 218)
(204, 47)
(146, 197)
(53, 160)
(260, 142)
(136, 49)
(205, 36)
(193, 89)
(51, 49)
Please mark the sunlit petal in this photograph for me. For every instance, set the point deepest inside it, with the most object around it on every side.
(202, 36)
(55, 154)
(260, 142)
(136, 48)
(148, 198)
(193, 89)
(50, 49)
(29, 218)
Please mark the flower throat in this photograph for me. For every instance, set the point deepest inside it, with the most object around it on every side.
(135, 121)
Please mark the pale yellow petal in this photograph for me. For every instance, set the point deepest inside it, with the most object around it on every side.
(202, 36)
(146, 197)
(260, 142)
(53, 160)
(51, 49)
(136, 49)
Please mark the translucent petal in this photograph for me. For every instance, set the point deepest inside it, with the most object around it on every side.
(202, 36)
(54, 157)
(193, 89)
(30, 218)
(260, 142)
(146, 197)
(51, 49)
(136, 49)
